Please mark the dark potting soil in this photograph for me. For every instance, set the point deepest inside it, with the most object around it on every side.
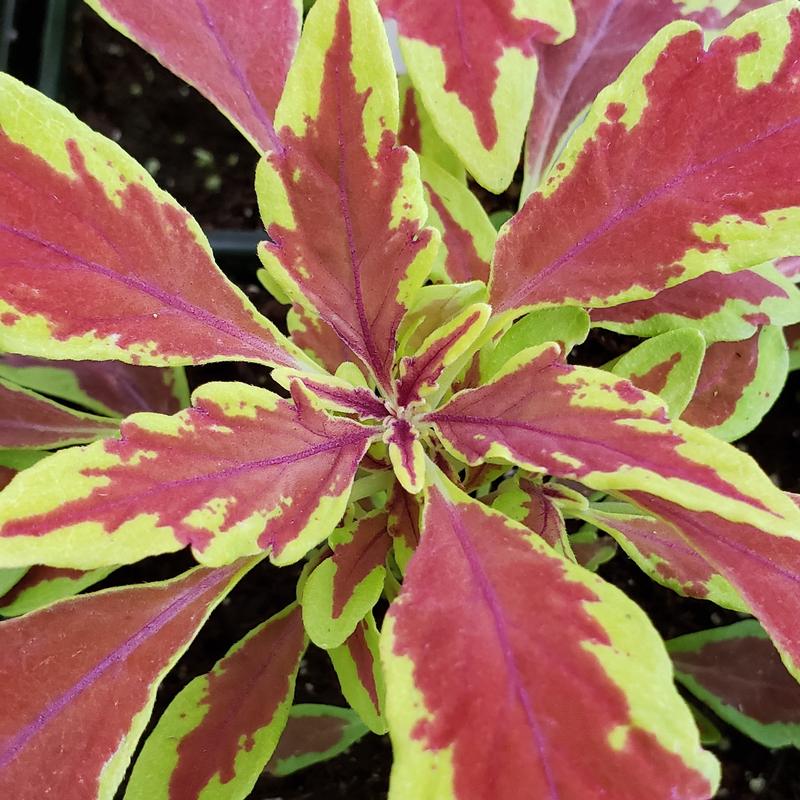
(178, 135)
(200, 158)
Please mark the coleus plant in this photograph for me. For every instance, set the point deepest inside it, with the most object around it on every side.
(432, 438)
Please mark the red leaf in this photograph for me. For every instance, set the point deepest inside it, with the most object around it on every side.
(471, 36)
(79, 680)
(355, 248)
(111, 386)
(649, 186)
(229, 476)
(609, 33)
(507, 654)
(236, 54)
(28, 420)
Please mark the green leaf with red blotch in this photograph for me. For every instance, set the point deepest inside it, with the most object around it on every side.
(474, 64)
(792, 334)
(528, 503)
(86, 690)
(228, 476)
(667, 365)
(342, 201)
(316, 338)
(641, 199)
(418, 132)
(567, 325)
(658, 551)
(358, 667)
(468, 235)
(30, 421)
(43, 586)
(314, 733)
(77, 210)
(738, 674)
(435, 305)
(722, 307)
(609, 33)
(591, 549)
(430, 368)
(500, 673)
(761, 561)
(341, 590)
(217, 735)
(739, 383)
(110, 388)
(236, 54)
(403, 523)
(586, 425)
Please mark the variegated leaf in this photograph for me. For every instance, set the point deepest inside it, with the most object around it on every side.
(110, 388)
(344, 588)
(660, 552)
(586, 425)
(739, 383)
(683, 166)
(435, 305)
(609, 33)
(761, 561)
(79, 678)
(403, 523)
(314, 733)
(667, 365)
(468, 235)
(217, 735)
(738, 674)
(723, 308)
(420, 374)
(358, 667)
(78, 211)
(228, 476)
(30, 421)
(474, 64)
(316, 338)
(43, 586)
(418, 132)
(528, 503)
(506, 657)
(342, 202)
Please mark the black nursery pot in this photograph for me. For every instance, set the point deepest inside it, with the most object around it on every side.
(118, 89)
(23, 31)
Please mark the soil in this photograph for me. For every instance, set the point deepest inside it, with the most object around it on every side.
(196, 154)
